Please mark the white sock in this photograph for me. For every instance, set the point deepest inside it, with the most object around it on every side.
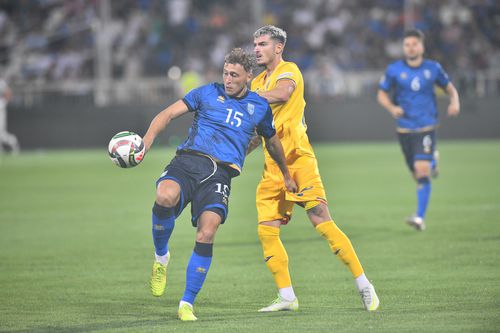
(287, 293)
(181, 303)
(162, 259)
(362, 282)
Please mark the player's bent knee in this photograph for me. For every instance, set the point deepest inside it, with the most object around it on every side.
(422, 169)
(317, 213)
(167, 197)
(206, 235)
(168, 193)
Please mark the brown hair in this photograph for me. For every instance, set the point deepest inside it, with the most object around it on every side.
(239, 56)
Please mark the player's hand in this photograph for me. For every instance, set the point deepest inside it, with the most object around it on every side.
(396, 111)
(290, 184)
(453, 110)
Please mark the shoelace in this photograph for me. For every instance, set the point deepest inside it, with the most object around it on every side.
(159, 271)
(365, 294)
(277, 300)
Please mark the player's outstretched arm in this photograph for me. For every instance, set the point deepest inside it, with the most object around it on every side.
(384, 100)
(275, 149)
(280, 94)
(454, 107)
(161, 121)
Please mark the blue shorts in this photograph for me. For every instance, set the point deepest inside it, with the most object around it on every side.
(417, 146)
(204, 183)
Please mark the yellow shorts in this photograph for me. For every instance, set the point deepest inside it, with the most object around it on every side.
(275, 203)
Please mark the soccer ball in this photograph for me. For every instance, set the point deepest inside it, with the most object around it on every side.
(126, 149)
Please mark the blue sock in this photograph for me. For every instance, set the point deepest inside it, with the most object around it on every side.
(197, 270)
(163, 225)
(423, 195)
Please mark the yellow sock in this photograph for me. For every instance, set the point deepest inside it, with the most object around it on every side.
(341, 246)
(275, 255)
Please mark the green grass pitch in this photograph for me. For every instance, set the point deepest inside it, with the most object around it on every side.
(76, 249)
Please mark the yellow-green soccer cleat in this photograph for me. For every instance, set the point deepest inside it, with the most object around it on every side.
(159, 277)
(369, 298)
(281, 304)
(185, 313)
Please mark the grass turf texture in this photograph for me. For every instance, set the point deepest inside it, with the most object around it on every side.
(76, 249)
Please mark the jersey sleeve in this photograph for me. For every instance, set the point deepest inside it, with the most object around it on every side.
(290, 72)
(442, 78)
(387, 80)
(266, 127)
(193, 99)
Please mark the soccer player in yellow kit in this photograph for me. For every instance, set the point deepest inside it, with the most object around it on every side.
(282, 85)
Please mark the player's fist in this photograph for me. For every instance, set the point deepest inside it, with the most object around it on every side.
(396, 111)
(290, 184)
(453, 110)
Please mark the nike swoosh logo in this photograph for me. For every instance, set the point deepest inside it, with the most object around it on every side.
(267, 258)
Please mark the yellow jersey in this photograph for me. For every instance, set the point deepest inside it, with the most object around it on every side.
(288, 117)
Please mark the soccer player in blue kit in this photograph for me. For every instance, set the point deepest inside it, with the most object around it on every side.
(413, 105)
(226, 118)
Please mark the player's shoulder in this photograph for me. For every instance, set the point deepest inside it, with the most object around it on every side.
(396, 65)
(432, 64)
(289, 66)
(288, 70)
(213, 86)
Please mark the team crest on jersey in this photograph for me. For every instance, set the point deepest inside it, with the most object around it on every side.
(427, 74)
(250, 108)
(403, 75)
(221, 99)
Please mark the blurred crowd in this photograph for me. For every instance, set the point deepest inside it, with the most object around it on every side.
(53, 40)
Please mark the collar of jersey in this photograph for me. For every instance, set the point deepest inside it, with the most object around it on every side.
(419, 66)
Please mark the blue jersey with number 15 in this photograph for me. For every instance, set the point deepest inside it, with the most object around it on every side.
(413, 89)
(223, 126)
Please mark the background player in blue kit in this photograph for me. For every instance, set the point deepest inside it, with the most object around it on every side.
(226, 117)
(413, 104)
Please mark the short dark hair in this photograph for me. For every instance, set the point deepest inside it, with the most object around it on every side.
(273, 32)
(415, 33)
(239, 56)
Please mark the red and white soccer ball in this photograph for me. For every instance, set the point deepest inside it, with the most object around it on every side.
(126, 149)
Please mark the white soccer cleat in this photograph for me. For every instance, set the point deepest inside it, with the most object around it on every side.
(416, 222)
(281, 304)
(369, 298)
